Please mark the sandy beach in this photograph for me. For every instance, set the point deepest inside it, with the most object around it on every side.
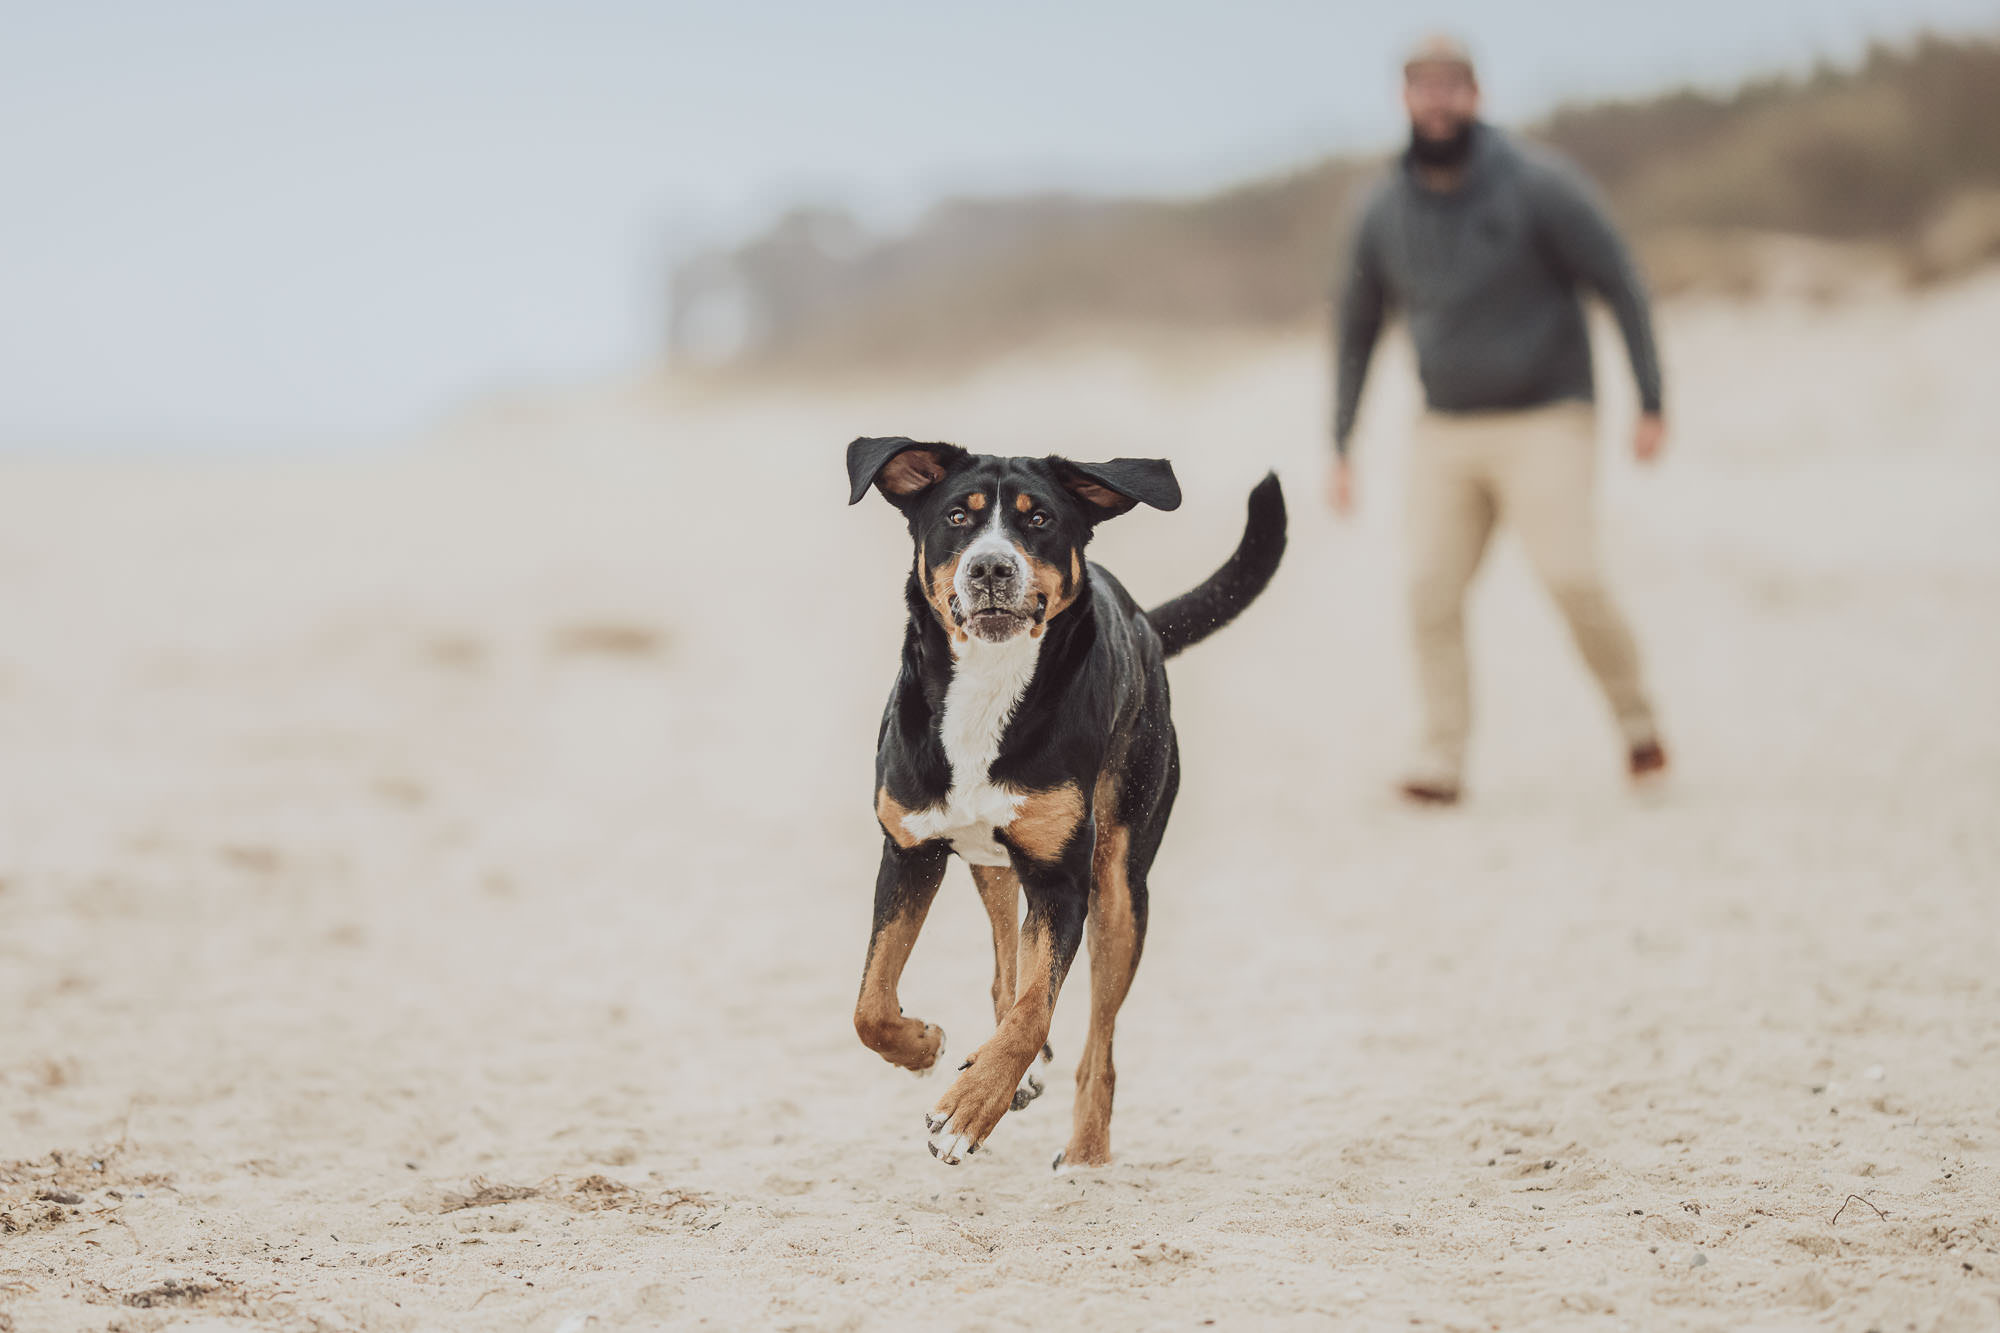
(433, 883)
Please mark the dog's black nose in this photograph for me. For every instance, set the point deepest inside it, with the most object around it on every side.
(990, 570)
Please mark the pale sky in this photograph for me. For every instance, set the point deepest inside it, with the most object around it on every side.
(255, 224)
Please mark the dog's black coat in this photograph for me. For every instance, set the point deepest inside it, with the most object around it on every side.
(1095, 714)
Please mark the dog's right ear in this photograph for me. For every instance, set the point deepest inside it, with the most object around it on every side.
(900, 466)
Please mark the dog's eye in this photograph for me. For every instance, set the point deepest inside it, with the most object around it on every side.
(958, 518)
(1039, 519)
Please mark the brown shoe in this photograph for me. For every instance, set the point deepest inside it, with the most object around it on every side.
(1648, 761)
(1429, 793)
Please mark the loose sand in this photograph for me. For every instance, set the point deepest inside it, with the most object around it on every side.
(433, 886)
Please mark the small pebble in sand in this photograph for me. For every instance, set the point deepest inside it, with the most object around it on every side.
(1697, 1259)
(1875, 1073)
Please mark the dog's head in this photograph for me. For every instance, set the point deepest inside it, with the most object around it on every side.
(1000, 540)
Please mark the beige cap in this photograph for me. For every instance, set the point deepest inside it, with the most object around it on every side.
(1439, 48)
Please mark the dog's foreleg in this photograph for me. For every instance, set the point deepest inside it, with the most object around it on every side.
(1058, 896)
(904, 887)
(1000, 890)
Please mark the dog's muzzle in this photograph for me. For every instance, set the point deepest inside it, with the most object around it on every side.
(993, 578)
(992, 596)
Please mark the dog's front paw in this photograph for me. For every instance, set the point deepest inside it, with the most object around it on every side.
(908, 1043)
(983, 1092)
(945, 1142)
(1031, 1080)
(1086, 1152)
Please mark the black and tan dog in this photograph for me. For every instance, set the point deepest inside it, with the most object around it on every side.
(1029, 732)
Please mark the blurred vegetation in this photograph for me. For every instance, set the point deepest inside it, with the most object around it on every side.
(1889, 168)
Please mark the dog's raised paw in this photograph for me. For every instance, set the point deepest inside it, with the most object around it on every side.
(937, 1060)
(1031, 1079)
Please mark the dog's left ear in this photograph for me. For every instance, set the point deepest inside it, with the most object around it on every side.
(901, 466)
(1111, 489)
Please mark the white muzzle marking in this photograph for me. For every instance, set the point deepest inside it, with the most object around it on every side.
(988, 545)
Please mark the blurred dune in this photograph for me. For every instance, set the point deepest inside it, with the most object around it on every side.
(1887, 172)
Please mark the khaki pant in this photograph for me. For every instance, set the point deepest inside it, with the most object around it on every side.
(1534, 468)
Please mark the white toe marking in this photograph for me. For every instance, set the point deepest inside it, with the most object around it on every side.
(1034, 1078)
(948, 1147)
(1062, 1166)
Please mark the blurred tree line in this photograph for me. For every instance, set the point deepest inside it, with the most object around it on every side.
(1896, 160)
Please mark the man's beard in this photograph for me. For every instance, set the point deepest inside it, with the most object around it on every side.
(1448, 152)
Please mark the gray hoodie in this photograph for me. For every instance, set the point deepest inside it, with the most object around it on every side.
(1487, 276)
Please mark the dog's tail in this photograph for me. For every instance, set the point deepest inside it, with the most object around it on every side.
(1221, 597)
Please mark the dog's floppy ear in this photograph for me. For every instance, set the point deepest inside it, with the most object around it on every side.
(901, 466)
(1110, 489)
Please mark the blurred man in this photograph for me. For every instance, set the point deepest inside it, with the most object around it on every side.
(1484, 244)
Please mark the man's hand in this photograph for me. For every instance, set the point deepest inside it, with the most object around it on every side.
(1340, 488)
(1649, 438)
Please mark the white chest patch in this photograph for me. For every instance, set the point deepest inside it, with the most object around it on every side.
(987, 681)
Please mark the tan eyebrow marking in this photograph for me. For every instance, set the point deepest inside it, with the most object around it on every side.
(1024, 502)
(976, 500)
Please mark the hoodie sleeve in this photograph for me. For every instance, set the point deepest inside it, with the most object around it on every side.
(1357, 321)
(1572, 222)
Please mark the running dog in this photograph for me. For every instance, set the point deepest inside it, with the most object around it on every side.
(1029, 732)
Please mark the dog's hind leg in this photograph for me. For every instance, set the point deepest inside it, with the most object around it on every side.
(1117, 931)
(1000, 890)
(1119, 864)
(904, 887)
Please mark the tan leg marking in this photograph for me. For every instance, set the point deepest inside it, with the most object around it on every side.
(1000, 890)
(1046, 821)
(892, 813)
(878, 1015)
(1113, 936)
(984, 1088)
